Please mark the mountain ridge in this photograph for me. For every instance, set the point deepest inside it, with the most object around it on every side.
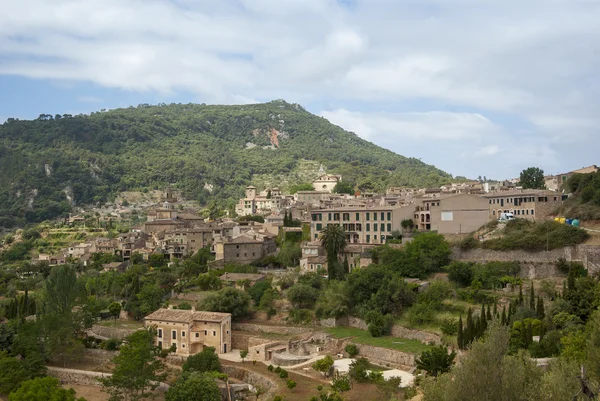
(53, 162)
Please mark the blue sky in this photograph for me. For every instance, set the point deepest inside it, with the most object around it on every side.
(474, 87)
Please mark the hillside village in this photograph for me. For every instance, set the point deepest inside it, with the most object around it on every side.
(326, 293)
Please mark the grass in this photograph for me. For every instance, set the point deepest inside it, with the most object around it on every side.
(364, 337)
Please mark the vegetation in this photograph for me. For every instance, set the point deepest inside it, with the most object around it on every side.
(364, 337)
(92, 157)
(43, 389)
(532, 178)
(194, 387)
(534, 236)
(205, 361)
(585, 202)
(333, 239)
(436, 360)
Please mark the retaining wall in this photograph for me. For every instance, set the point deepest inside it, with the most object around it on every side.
(270, 387)
(111, 332)
(397, 331)
(385, 356)
(259, 328)
(85, 377)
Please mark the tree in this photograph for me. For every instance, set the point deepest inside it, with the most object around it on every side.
(243, 354)
(333, 240)
(194, 387)
(61, 291)
(351, 350)
(137, 369)
(436, 361)
(12, 373)
(532, 178)
(302, 296)
(359, 370)
(407, 224)
(228, 300)
(323, 365)
(43, 389)
(460, 336)
(334, 301)
(204, 361)
(114, 309)
(291, 385)
(257, 290)
(341, 384)
(540, 312)
(267, 302)
(343, 187)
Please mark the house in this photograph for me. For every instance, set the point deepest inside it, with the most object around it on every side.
(78, 250)
(186, 241)
(244, 248)
(456, 214)
(363, 225)
(562, 178)
(190, 331)
(255, 203)
(530, 204)
(311, 197)
(313, 257)
(158, 225)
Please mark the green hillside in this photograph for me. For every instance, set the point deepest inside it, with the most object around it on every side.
(49, 164)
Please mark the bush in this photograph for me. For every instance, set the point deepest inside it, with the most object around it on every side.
(341, 384)
(421, 313)
(359, 370)
(270, 368)
(352, 350)
(183, 306)
(283, 374)
(449, 326)
(112, 344)
(379, 324)
(468, 243)
(300, 316)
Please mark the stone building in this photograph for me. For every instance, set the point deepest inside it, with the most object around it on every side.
(363, 225)
(458, 214)
(326, 182)
(191, 331)
(244, 248)
(530, 204)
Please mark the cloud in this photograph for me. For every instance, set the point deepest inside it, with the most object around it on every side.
(519, 76)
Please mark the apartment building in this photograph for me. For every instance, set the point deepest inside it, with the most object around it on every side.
(190, 331)
(362, 225)
(530, 204)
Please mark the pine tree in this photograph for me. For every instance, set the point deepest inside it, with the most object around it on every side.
(459, 337)
(541, 313)
(531, 299)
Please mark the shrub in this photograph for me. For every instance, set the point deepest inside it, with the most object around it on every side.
(341, 384)
(183, 306)
(379, 324)
(421, 313)
(300, 316)
(359, 370)
(112, 344)
(283, 374)
(352, 350)
(277, 369)
(270, 368)
(449, 326)
(468, 243)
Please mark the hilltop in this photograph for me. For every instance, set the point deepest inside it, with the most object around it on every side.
(55, 162)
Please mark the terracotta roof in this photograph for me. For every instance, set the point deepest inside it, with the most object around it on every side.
(164, 222)
(186, 316)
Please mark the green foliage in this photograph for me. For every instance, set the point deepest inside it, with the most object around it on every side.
(359, 370)
(532, 178)
(194, 387)
(421, 313)
(351, 350)
(324, 364)
(343, 187)
(104, 153)
(436, 360)
(137, 370)
(290, 384)
(283, 374)
(208, 282)
(112, 344)
(535, 236)
(379, 324)
(302, 296)
(114, 309)
(257, 291)
(449, 326)
(341, 384)
(243, 354)
(333, 239)
(43, 389)
(228, 300)
(334, 301)
(12, 373)
(300, 316)
(469, 242)
(290, 253)
(486, 275)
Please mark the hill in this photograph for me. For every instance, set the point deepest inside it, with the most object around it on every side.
(54, 162)
(584, 204)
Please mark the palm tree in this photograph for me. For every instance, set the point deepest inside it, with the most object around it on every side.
(333, 239)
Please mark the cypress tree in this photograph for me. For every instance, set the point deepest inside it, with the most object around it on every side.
(571, 280)
(495, 312)
(468, 335)
(532, 299)
(346, 266)
(489, 313)
(529, 334)
(482, 313)
(524, 334)
(541, 313)
(503, 321)
(564, 290)
(520, 298)
(459, 337)
(482, 325)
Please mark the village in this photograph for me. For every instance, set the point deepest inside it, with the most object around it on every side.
(291, 333)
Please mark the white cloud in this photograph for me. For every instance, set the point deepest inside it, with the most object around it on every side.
(451, 67)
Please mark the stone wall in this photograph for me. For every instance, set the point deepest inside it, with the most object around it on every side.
(99, 355)
(239, 341)
(385, 356)
(111, 332)
(397, 331)
(259, 328)
(590, 257)
(85, 377)
(270, 387)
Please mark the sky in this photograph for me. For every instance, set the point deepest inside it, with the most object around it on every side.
(475, 87)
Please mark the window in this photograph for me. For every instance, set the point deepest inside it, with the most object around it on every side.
(368, 216)
(374, 216)
(382, 215)
(182, 345)
(389, 215)
(329, 216)
(389, 227)
(374, 238)
(174, 335)
(368, 239)
(205, 332)
(159, 333)
(375, 227)
(357, 216)
(319, 226)
(214, 333)
(237, 247)
(336, 216)
(368, 226)
(532, 211)
(346, 216)
(183, 334)
(382, 227)
(238, 255)
(314, 217)
(197, 335)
